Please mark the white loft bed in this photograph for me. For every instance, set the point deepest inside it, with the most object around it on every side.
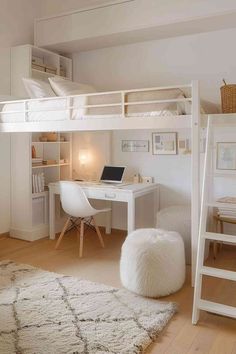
(150, 108)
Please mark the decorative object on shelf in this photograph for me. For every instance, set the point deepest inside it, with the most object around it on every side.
(38, 67)
(137, 178)
(49, 162)
(228, 98)
(135, 145)
(145, 179)
(231, 200)
(37, 161)
(38, 183)
(43, 139)
(51, 70)
(37, 60)
(62, 161)
(62, 138)
(51, 137)
(164, 143)
(184, 146)
(33, 152)
(226, 156)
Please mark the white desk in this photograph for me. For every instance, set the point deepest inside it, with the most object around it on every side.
(127, 193)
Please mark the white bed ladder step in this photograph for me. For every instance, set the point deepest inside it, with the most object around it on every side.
(199, 303)
(218, 309)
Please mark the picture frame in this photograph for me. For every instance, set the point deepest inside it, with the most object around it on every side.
(135, 146)
(164, 143)
(226, 156)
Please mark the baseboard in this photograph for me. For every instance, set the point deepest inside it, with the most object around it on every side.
(4, 235)
(30, 235)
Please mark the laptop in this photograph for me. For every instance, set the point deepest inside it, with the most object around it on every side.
(112, 174)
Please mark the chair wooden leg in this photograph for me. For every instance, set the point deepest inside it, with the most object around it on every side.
(98, 232)
(62, 233)
(221, 231)
(81, 244)
(215, 246)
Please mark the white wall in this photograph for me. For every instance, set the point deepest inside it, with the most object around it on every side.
(208, 57)
(16, 21)
(97, 145)
(98, 149)
(163, 62)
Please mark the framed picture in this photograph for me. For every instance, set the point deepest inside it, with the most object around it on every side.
(184, 146)
(226, 156)
(135, 145)
(164, 143)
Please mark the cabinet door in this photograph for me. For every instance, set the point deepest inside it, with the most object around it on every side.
(21, 189)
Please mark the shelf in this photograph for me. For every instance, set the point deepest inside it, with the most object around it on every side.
(53, 165)
(47, 74)
(41, 194)
(50, 142)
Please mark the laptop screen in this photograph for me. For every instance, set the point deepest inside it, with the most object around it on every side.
(112, 174)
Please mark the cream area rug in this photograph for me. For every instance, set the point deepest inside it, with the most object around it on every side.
(47, 313)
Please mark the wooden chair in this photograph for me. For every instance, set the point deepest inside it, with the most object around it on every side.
(220, 220)
(75, 203)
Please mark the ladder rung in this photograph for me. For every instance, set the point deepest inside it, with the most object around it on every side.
(216, 308)
(220, 237)
(219, 273)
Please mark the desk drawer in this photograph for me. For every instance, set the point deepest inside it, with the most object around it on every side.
(119, 196)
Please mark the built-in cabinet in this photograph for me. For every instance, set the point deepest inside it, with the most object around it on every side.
(32, 62)
(29, 210)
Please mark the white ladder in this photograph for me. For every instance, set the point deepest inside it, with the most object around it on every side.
(208, 174)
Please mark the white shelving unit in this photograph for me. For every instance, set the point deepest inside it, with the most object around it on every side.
(21, 66)
(30, 210)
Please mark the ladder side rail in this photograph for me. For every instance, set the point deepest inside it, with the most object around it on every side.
(203, 225)
(195, 173)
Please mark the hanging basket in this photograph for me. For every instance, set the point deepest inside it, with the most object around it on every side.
(228, 98)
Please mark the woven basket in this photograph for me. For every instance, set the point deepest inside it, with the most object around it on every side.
(228, 98)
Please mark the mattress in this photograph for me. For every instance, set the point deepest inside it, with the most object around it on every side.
(56, 109)
(46, 110)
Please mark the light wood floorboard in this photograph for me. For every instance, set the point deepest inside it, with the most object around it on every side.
(213, 335)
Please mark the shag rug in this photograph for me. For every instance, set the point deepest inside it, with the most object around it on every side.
(47, 313)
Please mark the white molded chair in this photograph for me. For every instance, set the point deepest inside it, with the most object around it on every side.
(75, 203)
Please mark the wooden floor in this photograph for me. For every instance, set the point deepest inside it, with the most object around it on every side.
(213, 335)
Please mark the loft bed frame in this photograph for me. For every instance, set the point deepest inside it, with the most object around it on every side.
(19, 121)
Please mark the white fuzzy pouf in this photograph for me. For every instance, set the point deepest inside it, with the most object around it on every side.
(153, 262)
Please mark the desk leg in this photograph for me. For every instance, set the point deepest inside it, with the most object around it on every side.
(156, 206)
(108, 217)
(131, 215)
(51, 215)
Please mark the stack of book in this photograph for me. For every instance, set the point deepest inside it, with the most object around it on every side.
(38, 183)
(227, 213)
(37, 161)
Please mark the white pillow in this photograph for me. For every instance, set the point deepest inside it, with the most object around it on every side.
(63, 87)
(38, 88)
